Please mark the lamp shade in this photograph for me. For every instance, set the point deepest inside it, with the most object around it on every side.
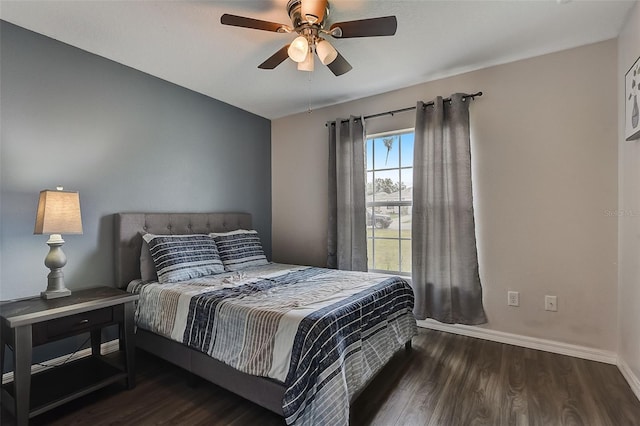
(299, 49)
(58, 213)
(326, 52)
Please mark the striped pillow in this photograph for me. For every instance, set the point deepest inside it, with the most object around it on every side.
(239, 249)
(182, 257)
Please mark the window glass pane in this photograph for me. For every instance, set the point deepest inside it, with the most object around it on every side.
(405, 254)
(386, 254)
(406, 144)
(406, 184)
(379, 153)
(382, 222)
(387, 152)
(369, 188)
(387, 185)
(385, 220)
(404, 222)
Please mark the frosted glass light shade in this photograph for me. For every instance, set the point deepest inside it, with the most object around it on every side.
(58, 213)
(299, 49)
(326, 52)
(307, 64)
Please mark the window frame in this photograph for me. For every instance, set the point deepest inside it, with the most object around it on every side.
(388, 203)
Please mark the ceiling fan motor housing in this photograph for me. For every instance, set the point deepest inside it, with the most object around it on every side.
(300, 23)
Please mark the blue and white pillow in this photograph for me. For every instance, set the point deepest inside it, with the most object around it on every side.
(183, 257)
(239, 249)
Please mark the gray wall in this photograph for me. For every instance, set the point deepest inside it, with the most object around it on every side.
(126, 141)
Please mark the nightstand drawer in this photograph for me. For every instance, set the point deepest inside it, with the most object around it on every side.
(71, 325)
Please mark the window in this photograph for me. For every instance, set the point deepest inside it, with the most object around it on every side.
(389, 170)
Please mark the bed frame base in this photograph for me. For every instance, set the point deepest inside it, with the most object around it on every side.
(262, 391)
(265, 392)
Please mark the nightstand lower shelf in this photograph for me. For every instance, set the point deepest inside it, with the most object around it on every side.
(59, 385)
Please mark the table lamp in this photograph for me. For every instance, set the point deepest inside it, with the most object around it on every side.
(58, 213)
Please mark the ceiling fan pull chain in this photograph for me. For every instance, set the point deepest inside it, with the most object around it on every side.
(310, 80)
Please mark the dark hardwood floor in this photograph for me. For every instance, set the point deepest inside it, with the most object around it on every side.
(445, 380)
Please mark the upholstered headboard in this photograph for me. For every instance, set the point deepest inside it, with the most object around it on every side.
(129, 227)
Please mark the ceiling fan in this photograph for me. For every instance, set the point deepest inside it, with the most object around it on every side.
(308, 19)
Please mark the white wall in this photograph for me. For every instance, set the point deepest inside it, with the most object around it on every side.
(545, 165)
(629, 207)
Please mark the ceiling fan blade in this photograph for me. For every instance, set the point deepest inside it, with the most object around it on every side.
(275, 59)
(339, 65)
(256, 24)
(373, 27)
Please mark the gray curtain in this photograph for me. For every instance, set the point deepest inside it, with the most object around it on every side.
(347, 238)
(445, 275)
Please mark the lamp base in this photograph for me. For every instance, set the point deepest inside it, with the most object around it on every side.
(55, 285)
(54, 294)
(55, 260)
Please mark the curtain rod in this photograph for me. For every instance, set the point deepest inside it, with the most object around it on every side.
(366, 117)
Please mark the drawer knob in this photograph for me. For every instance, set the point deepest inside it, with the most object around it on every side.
(84, 321)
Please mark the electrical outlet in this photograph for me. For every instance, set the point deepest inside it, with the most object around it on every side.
(551, 303)
(513, 298)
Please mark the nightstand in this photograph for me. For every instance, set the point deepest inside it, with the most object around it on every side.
(30, 322)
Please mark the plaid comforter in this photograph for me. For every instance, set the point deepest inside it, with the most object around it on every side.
(323, 333)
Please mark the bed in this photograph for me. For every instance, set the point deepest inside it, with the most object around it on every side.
(324, 334)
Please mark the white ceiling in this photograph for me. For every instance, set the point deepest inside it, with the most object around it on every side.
(183, 42)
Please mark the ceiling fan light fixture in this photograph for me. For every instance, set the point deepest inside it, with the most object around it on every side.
(299, 49)
(307, 64)
(308, 20)
(326, 52)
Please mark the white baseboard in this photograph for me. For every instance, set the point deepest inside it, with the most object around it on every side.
(105, 348)
(553, 346)
(632, 379)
